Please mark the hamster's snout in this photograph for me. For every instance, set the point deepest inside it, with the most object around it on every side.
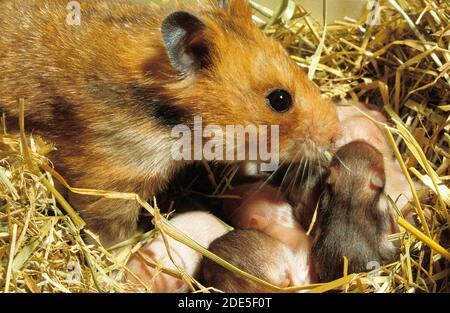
(325, 128)
(317, 132)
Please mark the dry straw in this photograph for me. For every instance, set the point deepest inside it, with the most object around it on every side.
(401, 65)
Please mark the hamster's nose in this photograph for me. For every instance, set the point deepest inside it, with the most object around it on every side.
(327, 126)
(326, 135)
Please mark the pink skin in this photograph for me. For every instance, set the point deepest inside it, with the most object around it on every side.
(200, 226)
(355, 125)
(266, 210)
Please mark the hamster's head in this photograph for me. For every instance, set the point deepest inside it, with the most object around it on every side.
(230, 74)
(357, 174)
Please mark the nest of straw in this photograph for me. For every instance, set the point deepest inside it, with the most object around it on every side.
(401, 65)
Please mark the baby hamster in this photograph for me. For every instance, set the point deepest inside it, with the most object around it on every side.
(265, 208)
(256, 253)
(199, 226)
(353, 218)
(303, 191)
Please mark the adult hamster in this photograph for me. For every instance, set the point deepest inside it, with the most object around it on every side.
(109, 91)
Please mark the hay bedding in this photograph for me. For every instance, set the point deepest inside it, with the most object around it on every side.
(402, 65)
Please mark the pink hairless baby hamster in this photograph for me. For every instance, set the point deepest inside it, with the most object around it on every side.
(357, 126)
(268, 243)
(199, 226)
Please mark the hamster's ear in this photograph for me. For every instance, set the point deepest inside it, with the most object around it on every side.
(257, 222)
(376, 181)
(185, 42)
(332, 174)
(238, 8)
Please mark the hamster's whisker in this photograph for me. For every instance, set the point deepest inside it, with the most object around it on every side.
(286, 174)
(343, 164)
(321, 171)
(297, 173)
(305, 165)
(310, 172)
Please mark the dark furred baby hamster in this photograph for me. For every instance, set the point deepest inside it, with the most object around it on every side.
(256, 253)
(354, 220)
(109, 91)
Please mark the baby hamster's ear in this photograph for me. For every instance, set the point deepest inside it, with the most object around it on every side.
(332, 174)
(237, 8)
(184, 40)
(257, 222)
(377, 181)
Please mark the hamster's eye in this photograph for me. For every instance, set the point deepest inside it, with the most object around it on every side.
(280, 100)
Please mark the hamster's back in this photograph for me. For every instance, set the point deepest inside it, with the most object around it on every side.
(42, 56)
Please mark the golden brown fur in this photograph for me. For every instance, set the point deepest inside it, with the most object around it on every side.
(106, 94)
